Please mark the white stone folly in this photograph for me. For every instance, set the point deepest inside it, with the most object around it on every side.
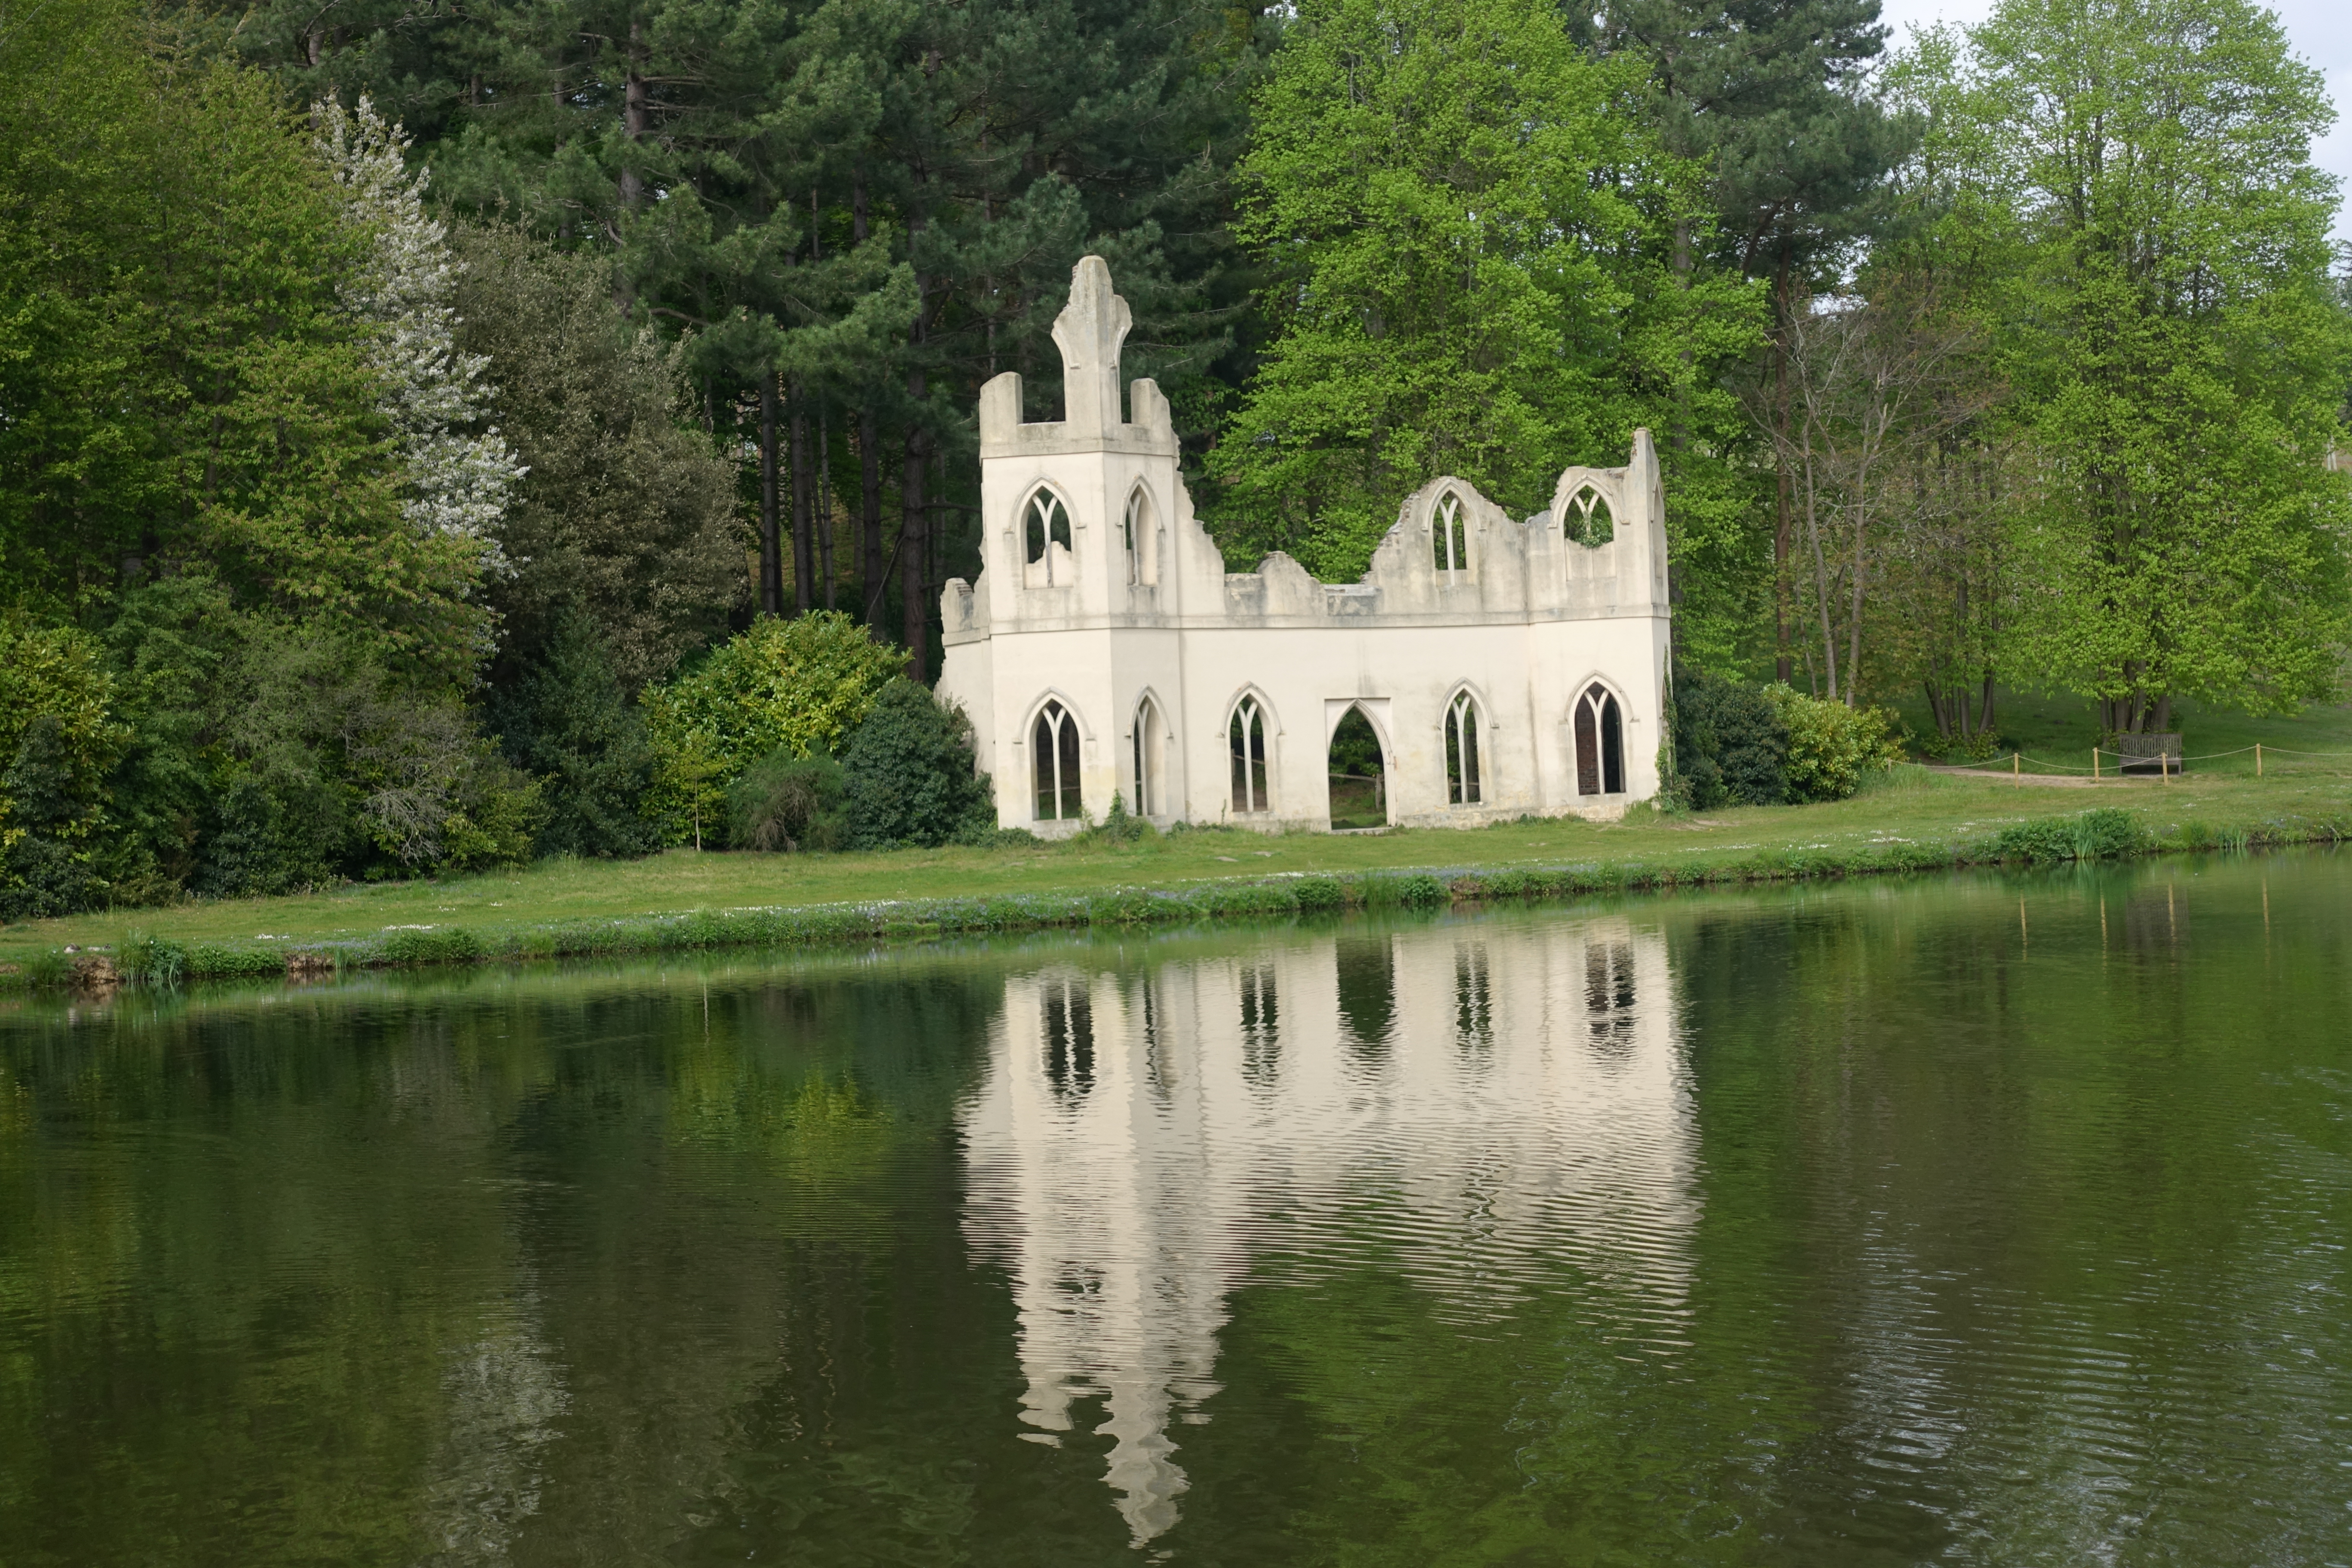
(1505, 667)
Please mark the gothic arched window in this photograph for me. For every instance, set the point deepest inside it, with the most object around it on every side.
(1134, 536)
(1600, 743)
(1449, 546)
(1587, 519)
(1053, 758)
(1464, 781)
(1246, 736)
(1046, 523)
(1150, 758)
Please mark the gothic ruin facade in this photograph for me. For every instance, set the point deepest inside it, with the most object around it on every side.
(1506, 667)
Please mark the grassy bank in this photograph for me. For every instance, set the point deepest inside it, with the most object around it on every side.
(2061, 731)
(1912, 821)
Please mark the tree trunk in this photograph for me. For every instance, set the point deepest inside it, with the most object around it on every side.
(1821, 575)
(772, 562)
(1854, 627)
(1783, 588)
(912, 545)
(803, 555)
(870, 566)
(1680, 439)
(636, 113)
(818, 472)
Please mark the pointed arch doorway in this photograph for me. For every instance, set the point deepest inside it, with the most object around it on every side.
(1359, 773)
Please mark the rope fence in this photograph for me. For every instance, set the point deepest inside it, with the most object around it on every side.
(2166, 764)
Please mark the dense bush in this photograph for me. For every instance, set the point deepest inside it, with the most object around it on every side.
(58, 741)
(2102, 834)
(911, 778)
(1831, 747)
(327, 763)
(797, 685)
(199, 747)
(1731, 747)
(565, 719)
(1737, 744)
(788, 803)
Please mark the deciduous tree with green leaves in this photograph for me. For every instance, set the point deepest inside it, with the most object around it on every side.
(1465, 228)
(797, 686)
(2176, 351)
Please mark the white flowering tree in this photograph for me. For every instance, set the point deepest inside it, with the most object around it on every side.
(459, 470)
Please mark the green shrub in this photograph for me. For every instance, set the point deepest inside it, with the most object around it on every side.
(1320, 895)
(1247, 898)
(439, 944)
(325, 762)
(788, 803)
(2108, 834)
(1831, 747)
(1730, 745)
(1118, 826)
(152, 961)
(1134, 908)
(1418, 891)
(220, 961)
(2103, 834)
(58, 741)
(800, 685)
(909, 774)
(565, 719)
(49, 966)
(272, 831)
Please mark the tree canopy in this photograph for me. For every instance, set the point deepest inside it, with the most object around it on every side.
(417, 427)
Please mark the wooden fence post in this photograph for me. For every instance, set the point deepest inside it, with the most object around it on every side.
(2258, 759)
(2016, 763)
(2095, 764)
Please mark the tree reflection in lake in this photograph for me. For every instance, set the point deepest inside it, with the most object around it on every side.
(1952, 1220)
(1494, 1101)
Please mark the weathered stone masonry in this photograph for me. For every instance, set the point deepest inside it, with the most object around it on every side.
(1105, 646)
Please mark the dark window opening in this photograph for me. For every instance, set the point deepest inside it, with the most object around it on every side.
(1047, 523)
(1600, 744)
(1359, 773)
(1246, 736)
(1462, 771)
(1053, 758)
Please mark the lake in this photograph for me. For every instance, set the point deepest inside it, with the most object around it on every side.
(1959, 1220)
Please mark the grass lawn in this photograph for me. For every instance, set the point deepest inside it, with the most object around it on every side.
(2061, 729)
(1912, 806)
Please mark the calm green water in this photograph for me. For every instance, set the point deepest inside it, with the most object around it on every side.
(1997, 1221)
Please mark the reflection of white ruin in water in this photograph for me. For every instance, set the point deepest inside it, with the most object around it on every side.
(1503, 1101)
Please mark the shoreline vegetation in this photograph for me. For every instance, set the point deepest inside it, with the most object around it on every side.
(1911, 820)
